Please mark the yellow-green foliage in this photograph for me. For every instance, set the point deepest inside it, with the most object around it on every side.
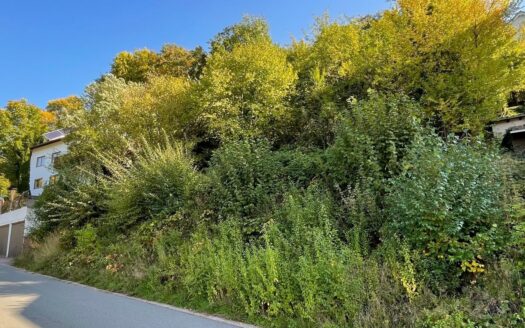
(4, 185)
(326, 192)
(21, 126)
(242, 91)
(143, 64)
(460, 59)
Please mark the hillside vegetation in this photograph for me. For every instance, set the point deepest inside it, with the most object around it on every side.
(345, 180)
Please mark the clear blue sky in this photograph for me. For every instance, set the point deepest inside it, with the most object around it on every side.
(54, 48)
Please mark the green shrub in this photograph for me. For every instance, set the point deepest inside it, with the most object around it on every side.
(246, 179)
(453, 320)
(243, 178)
(514, 169)
(372, 140)
(75, 200)
(154, 185)
(209, 263)
(360, 211)
(448, 205)
(86, 238)
(67, 239)
(298, 268)
(301, 166)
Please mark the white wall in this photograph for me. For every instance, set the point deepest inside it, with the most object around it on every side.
(501, 127)
(45, 171)
(22, 214)
(13, 216)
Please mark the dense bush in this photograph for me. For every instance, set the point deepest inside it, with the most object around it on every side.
(299, 267)
(155, 184)
(448, 205)
(373, 139)
(246, 180)
(288, 237)
(78, 198)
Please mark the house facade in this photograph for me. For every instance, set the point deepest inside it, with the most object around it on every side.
(43, 160)
(16, 212)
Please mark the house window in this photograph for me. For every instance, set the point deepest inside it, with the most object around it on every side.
(53, 179)
(40, 161)
(39, 183)
(54, 156)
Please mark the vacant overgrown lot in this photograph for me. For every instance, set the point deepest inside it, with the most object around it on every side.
(343, 181)
(284, 237)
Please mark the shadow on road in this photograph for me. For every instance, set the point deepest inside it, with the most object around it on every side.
(32, 300)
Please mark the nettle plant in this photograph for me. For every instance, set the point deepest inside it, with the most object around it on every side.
(449, 205)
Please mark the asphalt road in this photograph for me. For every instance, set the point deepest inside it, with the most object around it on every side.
(30, 300)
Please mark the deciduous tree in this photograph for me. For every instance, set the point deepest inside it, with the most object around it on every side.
(460, 60)
(22, 126)
(172, 60)
(244, 85)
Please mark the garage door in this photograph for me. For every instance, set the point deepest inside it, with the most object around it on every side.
(4, 231)
(17, 239)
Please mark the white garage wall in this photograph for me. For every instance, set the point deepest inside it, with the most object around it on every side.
(13, 216)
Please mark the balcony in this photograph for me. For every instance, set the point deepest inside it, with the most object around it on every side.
(15, 201)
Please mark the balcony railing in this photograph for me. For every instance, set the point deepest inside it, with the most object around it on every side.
(14, 202)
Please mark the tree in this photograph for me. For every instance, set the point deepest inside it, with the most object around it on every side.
(460, 60)
(249, 30)
(63, 108)
(244, 84)
(22, 127)
(120, 115)
(172, 60)
(66, 104)
(327, 79)
(134, 66)
(161, 106)
(467, 59)
(99, 126)
(199, 62)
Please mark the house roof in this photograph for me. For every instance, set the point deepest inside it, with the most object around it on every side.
(46, 143)
(508, 118)
(52, 137)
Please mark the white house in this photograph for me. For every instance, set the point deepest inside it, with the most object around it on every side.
(16, 213)
(43, 157)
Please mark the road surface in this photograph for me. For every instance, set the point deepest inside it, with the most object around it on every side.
(30, 300)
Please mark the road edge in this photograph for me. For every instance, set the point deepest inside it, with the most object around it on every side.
(164, 305)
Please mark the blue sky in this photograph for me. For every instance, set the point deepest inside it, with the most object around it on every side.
(54, 48)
